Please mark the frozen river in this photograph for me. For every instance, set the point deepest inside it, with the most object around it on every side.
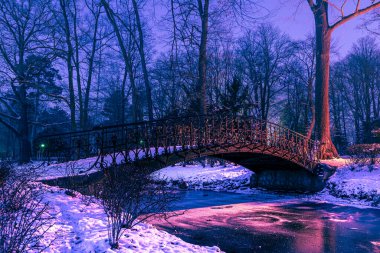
(272, 223)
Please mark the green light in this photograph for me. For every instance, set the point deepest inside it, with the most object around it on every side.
(42, 145)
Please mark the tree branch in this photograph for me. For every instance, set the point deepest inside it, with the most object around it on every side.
(9, 107)
(10, 127)
(357, 12)
(59, 98)
(311, 4)
(9, 116)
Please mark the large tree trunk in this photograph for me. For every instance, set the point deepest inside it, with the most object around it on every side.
(322, 113)
(202, 62)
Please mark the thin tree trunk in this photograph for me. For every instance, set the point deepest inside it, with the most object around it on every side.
(36, 111)
(99, 67)
(25, 148)
(123, 98)
(202, 62)
(344, 122)
(135, 109)
(90, 72)
(126, 57)
(77, 68)
(143, 61)
(69, 57)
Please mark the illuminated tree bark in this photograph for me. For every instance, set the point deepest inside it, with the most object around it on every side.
(323, 32)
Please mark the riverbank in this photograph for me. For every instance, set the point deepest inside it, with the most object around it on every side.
(355, 183)
(350, 185)
(253, 220)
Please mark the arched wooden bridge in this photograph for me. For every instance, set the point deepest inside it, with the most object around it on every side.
(166, 142)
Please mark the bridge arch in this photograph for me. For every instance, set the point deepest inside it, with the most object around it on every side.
(165, 142)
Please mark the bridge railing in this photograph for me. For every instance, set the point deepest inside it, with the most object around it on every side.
(153, 138)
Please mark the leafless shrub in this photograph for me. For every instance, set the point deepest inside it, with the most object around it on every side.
(70, 172)
(364, 154)
(130, 195)
(24, 216)
(5, 169)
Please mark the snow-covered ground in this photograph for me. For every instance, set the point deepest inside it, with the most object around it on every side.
(81, 226)
(216, 178)
(360, 184)
(90, 165)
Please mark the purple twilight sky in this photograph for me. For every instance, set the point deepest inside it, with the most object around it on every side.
(293, 17)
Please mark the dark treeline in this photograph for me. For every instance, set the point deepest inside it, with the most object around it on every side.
(72, 65)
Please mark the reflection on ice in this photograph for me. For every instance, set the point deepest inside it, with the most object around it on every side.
(289, 225)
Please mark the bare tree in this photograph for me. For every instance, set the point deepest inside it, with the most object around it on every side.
(140, 46)
(63, 20)
(129, 196)
(303, 68)
(191, 28)
(373, 23)
(24, 29)
(203, 9)
(127, 49)
(324, 30)
(24, 216)
(95, 10)
(265, 52)
(193, 22)
(356, 81)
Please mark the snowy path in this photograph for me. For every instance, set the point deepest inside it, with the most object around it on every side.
(83, 228)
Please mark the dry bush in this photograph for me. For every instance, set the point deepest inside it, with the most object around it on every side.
(70, 172)
(24, 216)
(364, 154)
(130, 195)
(5, 169)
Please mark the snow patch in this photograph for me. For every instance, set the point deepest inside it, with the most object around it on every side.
(218, 178)
(356, 182)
